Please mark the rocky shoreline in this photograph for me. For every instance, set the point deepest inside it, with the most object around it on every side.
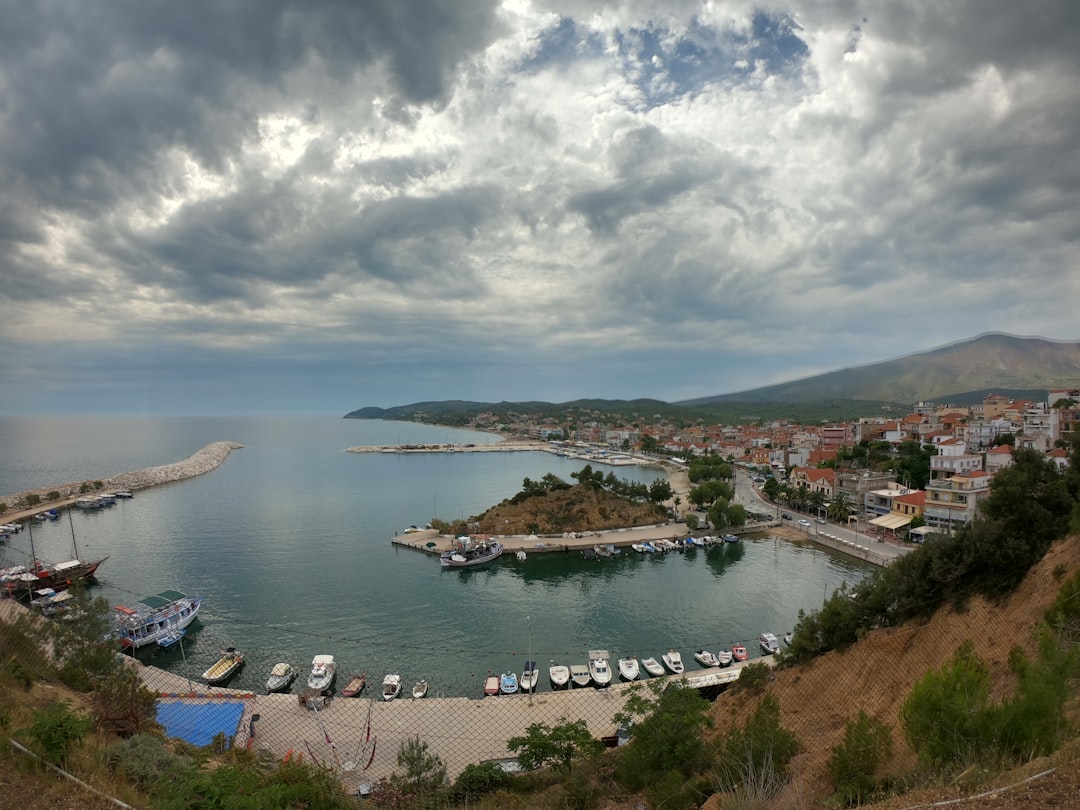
(202, 461)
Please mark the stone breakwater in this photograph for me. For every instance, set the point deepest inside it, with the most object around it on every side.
(202, 461)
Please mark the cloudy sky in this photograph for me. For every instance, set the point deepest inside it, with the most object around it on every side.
(275, 205)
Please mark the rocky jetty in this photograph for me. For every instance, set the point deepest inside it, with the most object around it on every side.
(202, 461)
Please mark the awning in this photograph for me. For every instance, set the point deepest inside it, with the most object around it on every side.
(891, 522)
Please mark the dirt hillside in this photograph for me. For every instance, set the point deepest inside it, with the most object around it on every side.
(577, 509)
(878, 673)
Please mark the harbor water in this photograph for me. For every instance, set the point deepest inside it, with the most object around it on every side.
(289, 543)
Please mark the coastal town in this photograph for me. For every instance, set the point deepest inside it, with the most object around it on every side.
(896, 478)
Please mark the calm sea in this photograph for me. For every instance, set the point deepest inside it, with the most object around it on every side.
(289, 542)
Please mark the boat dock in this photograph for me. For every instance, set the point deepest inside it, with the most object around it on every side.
(431, 542)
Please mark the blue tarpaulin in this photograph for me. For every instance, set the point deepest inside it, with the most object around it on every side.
(197, 723)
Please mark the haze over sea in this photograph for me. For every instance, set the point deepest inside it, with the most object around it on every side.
(289, 543)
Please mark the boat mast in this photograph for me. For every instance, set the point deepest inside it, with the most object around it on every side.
(74, 545)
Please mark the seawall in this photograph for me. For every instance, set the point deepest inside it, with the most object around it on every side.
(202, 461)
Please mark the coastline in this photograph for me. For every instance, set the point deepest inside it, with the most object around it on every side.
(201, 461)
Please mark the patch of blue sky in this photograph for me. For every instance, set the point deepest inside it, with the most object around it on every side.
(665, 67)
(561, 45)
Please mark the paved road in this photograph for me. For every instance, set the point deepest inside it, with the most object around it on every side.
(749, 495)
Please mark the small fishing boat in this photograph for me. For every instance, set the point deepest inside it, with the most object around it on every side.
(471, 551)
(599, 668)
(323, 673)
(629, 670)
(391, 686)
(281, 677)
(673, 660)
(508, 683)
(738, 652)
(559, 675)
(355, 685)
(171, 637)
(491, 685)
(579, 674)
(769, 644)
(788, 636)
(225, 667)
(723, 657)
(706, 658)
(652, 666)
(529, 677)
(419, 689)
(731, 538)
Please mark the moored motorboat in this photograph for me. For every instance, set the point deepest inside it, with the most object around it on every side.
(154, 617)
(508, 683)
(471, 551)
(600, 668)
(419, 689)
(629, 670)
(738, 652)
(731, 538)
(172, 637)
(281, 677)
(673, 660)
(491, 685)
(559, 675)
(323, 673)
(355, 685)
(391, 686)
(579, 674)
(788, 636)
(225, 667)
(652, 666)
(723, 657)
(529, 676)
(706, 658)
(769, 644)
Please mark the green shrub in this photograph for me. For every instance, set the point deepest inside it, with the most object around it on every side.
(476, 779)
(559, 745)
(146, 763)
(667, 736)
(945, 717)
(424, 773)
(57, 730)
(54, 495)
(758, 752)
(33, 499)
(754, 678)
(853, 767)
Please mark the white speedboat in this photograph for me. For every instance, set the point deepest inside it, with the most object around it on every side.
(628, 668)
(419, 689)
(706, 658)
(529, 676)
(508, 683)
(323, 673)
(769, 644)
(281, 677)
(391, 686)
(559, 675)
(723, 657)
(652, 666)
(600, 668)
(579, 674)
(673, 660)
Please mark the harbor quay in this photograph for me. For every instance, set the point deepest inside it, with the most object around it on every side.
(358, 738)
(431, 542)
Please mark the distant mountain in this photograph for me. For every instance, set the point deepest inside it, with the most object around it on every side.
(990, 362)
